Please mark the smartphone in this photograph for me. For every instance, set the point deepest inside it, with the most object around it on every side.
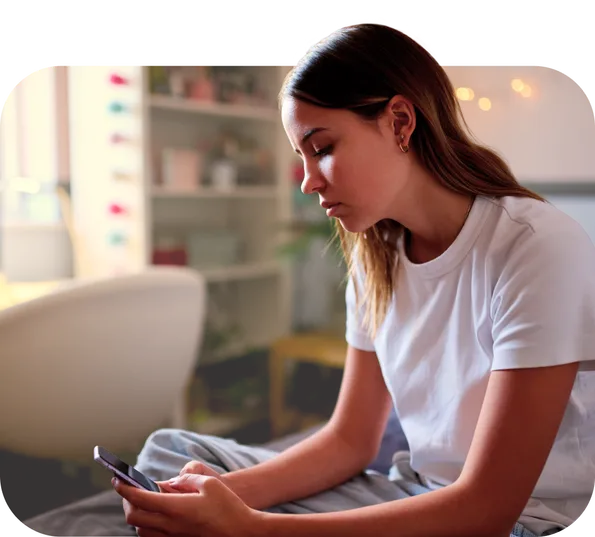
(124, 471)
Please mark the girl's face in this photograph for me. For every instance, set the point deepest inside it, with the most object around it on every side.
(355, 166)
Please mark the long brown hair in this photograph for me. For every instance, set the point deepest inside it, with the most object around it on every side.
(360, 68)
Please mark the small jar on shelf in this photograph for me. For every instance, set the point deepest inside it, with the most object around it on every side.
(201, 85)
(224, 168)
(170, 251)
(177, 83)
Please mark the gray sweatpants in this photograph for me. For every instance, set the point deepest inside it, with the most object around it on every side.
(168, 450)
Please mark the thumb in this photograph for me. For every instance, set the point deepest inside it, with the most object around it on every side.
(187, 482)
(196, 467)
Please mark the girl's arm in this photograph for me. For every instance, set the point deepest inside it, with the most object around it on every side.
(342, 449)
(519, 421)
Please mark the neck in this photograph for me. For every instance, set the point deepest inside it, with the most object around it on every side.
(432, 217)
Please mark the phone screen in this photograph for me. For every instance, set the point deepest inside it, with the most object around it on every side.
(127, 470)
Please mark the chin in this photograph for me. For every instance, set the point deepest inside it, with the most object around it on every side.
(353, 225)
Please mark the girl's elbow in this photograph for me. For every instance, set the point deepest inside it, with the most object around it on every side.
(492, 515)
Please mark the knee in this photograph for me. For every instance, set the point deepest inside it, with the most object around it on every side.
(176, 440)
(163, 438)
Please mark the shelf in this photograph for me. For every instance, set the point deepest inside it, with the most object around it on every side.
(239, 111)
(240, 192)
(246, 271)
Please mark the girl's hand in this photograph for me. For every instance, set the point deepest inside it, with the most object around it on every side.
(175, 484)
(196, 467)
(211, 510)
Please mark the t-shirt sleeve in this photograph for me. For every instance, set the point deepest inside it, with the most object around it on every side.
(543, 305)
(356, 334)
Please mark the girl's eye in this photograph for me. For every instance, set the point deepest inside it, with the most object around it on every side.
(324, 151)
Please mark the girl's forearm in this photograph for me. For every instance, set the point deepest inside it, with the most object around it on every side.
(318, 463)
(443, 513)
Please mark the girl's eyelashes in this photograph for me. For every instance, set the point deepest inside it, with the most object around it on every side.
(324, 151)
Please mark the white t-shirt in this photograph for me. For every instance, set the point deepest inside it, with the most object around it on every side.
(516, 289)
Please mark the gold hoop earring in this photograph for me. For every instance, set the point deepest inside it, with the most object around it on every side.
(403, 148)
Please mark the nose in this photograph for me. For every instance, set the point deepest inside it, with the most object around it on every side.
(313, 180)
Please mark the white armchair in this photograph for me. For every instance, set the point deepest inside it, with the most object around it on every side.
(101, 362)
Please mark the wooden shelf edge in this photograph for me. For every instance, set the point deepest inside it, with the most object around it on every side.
(240, 192)
(214, 108)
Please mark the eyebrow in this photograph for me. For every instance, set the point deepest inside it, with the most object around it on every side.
(312, 132)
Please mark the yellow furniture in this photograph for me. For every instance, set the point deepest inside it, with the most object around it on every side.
(15, 293)
(319, 348)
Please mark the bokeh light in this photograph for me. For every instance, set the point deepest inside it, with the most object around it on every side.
(485, 104)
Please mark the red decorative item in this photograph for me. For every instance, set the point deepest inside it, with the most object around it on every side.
(118, 80)
(169, 251)
(298, 174)
(174, 256)
(117, 138)
(114, 208)
(202, 90)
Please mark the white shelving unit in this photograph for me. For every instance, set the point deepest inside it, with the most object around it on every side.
(240, 192)
(214, 109)
(258, 288)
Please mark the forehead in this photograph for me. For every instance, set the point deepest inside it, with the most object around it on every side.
(298, 117)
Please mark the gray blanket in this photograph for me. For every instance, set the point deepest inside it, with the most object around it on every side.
(101, 515)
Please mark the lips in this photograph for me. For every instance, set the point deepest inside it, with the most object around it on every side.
(331, 208)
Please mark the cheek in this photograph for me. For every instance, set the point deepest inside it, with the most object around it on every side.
(346, 169)
(330, 168)
(385, 172)
(345, 177)
(365, 172)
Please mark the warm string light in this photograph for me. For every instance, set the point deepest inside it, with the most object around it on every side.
(517, 85)
(484, 103)
(467, 94)
(521, 87)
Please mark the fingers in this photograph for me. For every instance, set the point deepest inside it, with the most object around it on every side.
(146, 500)
(178, 485)
(193, 467)
(165, 486)
(196, 467)
(182, 484)
(196, 483)
(149, 522)
(186, 483)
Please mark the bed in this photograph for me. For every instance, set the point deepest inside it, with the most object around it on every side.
(102, 513)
